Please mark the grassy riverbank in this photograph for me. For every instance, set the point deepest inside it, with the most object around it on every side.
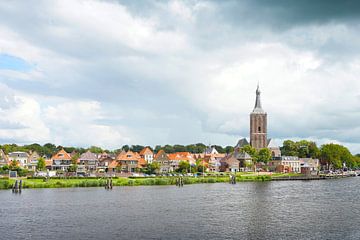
(93, 182)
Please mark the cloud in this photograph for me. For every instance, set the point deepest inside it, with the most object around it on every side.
(137, 72)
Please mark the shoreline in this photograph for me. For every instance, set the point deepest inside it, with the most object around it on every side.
(154, 181)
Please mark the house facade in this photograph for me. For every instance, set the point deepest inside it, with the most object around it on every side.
(128, 161)
(88, 161)
(61, 160)
(147, 155)
(163, 159)
(20, 157)
(311, 163)
(32, 161)
(3, 158)
(285, 164)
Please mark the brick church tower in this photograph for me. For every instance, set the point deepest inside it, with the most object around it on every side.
(258, 124)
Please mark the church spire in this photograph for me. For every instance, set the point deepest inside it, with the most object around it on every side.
(258, 108)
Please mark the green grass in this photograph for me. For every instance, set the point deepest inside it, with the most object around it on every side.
(100, 182)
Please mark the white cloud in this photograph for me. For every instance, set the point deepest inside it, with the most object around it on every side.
(93, 60)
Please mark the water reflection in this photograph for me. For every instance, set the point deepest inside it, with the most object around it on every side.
(266, 210)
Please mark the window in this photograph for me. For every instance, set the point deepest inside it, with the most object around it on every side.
(259, 129)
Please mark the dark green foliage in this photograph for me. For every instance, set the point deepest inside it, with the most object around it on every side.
(302, 149)
(335, 155)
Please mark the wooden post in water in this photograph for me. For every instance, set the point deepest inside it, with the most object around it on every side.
(20, 186)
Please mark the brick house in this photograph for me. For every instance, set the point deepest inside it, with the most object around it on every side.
(61, 160)
(128, 161)
(147, 155)
(163, 159)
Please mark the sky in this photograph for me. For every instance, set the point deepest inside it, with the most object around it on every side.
(109, 73)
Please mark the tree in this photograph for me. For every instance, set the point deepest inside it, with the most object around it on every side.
(168, 149)
(184, 167)
(229, 149)
(136, 148)
(157, 148)
(95, 149)
(251, 151)
(220, 149)
(264, 155)
(73, 166)
(40, 166)
(13, 165)
(289, 148)
(125, 148)
(153, 167)
(334, 155)
(179, 148)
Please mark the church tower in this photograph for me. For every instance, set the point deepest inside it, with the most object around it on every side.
(258, 124)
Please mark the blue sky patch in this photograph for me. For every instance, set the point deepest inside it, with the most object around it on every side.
(13, 63)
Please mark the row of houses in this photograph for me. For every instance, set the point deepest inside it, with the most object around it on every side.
(129, 162)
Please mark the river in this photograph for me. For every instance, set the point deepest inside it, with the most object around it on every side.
(325, 209)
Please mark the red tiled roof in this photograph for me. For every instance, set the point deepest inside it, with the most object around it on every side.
(129, 155)
(146, 151)
(65, 155)
(113, 164)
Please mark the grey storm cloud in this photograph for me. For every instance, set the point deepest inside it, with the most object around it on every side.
(157, 72)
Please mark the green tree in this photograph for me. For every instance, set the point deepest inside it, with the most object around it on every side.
(251, 151)
(40, 166)
(220, 149)
(13, 165)
(264, 155)
(335, 155)
(168, 149)
(179, 148)
(95, 149)
(289, 148)
(136, 148)
(153, 167)
(125, 148)
(157, 148)
(229, 149)
(184, 167)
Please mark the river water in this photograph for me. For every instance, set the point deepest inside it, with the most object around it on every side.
(325, 209)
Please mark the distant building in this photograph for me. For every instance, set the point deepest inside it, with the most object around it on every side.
(61, 160)
(88, 161)
(258, 124)
(128, 161)
(163, 159)
(20, 157)
(176, 158)
(230, 164)
(3, 158)
(106, 164)
(147, 155)
(285, 164)
(312, 164)
(32, 161)
(236, 161)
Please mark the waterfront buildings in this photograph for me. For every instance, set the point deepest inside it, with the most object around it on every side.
(147, 155)
(128, 161)
(3, 158)
(32, 161)
(163, 160)
(61, 161)
(20, 157)
(87, 162)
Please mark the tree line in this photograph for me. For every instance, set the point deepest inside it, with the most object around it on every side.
(331, 155)
(49, 149)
